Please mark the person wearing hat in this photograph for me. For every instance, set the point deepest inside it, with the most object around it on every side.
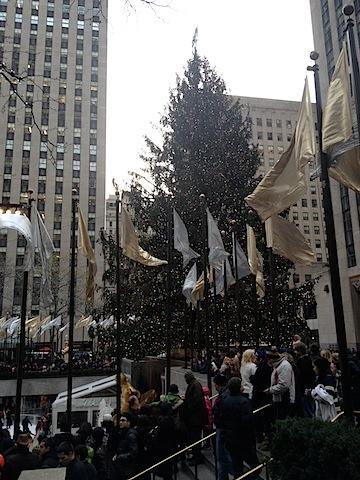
(19, 458)
(234, 416)
(282, 388)
(194, 414)
(172, 398)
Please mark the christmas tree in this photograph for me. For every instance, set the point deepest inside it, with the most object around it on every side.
(206, 149)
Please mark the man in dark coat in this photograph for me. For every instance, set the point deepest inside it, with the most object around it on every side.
(233, 414)
(18, 459)
(75, 469)
(194, 413)
(47, 453)
(127, 455)
(306, 378)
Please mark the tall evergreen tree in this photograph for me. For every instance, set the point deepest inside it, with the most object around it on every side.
(206, 149)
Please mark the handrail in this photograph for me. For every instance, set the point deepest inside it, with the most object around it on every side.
(255, 469)
(335, 419)
(186, 448)
(171, 456)
(214, 396)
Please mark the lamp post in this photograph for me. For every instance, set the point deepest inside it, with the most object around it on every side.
(118, 309)
(71, 311)
(206, 285)
(21, 351)
(332, 251)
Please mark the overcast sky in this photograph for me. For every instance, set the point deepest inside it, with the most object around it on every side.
(260, 48)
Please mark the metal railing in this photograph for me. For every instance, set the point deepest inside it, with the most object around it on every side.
(185, 449)
(258, 469)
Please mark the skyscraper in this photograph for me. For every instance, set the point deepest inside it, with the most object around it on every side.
(328, 30)
(56, 142)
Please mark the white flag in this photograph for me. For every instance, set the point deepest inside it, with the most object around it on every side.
(43, 243)
(217, 253)
(83, 322)
(62, 329)
(107, 322)
(56, 322)
(219, 278)
(189, 283)
(241, 263)
(14, 326)
(181, 240)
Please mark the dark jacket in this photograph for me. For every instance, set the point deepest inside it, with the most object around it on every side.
(306, 373)
(261, 380)
(76, 470)
(49, 460)
(234, 416)
(193, 410)
(18, 459)
(126, 460)
(162, 444)
(91, 471)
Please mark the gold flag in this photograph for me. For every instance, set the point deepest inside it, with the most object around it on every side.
(255, 261)
(86, 249)
(130, 243)
(337, 118)
(284, 184)
(83, 322)
(286, 240)
(337, 126)
(32, 322)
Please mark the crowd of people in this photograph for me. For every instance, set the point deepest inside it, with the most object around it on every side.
(47, 363)
(303, 382)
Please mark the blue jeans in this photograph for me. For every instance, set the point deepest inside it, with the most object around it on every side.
(223, 458)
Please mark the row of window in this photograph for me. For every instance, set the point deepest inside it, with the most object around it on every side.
(269, 123)
(305, 216)
(270, 136)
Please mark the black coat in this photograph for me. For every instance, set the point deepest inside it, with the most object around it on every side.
(49, 460)
(76, 470)
(126, 461)
(306, 373)
(234, 416)
(261, 380)
(18, 459)
(193, 410)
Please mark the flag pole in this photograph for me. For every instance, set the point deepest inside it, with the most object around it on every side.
(226, 310)
(71, 312)
(332, 253)
(216, 323)
(21, 351)
(186, 340)
(118, 312)
(274, 313)
(168, 293)
(237, 287)
(206, 286)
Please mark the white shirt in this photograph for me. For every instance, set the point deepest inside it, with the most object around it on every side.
(247, 370)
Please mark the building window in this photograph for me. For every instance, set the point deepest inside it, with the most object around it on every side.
(306, 229)
(307, 277)
(317, 243)
(316, 229)
(319, 257)
(259, 122)
(314, 203)
(278, 123)
(279, 137)
(304, 202)
(269, 122)
(260, 135)
(305, 216)
(269, 135)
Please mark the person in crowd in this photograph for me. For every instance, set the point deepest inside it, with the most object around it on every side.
(81, 453)
(63, 436)
(314, 351)
(261, 381)
(194, 414)
(99, 458)
(223, 456)
(248, 369)
(162, 443)
(325, 377)
(6, 441)
(306, 378)
(25, 424)
(19, 458)
(282, 388)
(354, 369)
(296, 340)
(9, 421)
(84, 434)
(75, 469)
(325, 392)
(47, 453)
(208, 428)
(172, 398)
(233, 413)
(127, 452)
(225, 368)
(296, 409)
